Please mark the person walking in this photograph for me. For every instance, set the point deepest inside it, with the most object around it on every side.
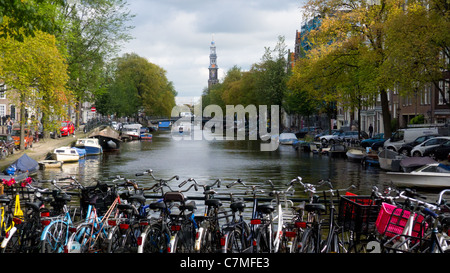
(370, 130)
(9, 125)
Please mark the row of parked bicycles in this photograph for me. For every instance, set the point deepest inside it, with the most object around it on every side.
(120, 216)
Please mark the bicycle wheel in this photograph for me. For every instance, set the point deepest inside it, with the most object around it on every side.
(236, 240)
(263, 240)
(88, 238)
(185, 240)
(116, 240)
(54, 237)
(155, 240)
(309, 243)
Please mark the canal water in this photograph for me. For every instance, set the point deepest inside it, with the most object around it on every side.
(228, 160)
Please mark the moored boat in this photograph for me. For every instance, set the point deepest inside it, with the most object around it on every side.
(66, 154)
(390, 160)
(90, 145)
(287, 138)
(337, 150)
(355, 155)
(434, 175)
(44, 164)
(108, 138)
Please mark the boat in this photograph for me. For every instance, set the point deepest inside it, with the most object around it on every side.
(44, 164)
(146, 136)
(24, 164)
(81, 152)
(90, 145)
(66, 154)
(131, 131)
(287, 138)
(434, 175)
(107, 137)
(183, 128)
(411, 163)
(355, 155)
(337, 150)
(390, 160)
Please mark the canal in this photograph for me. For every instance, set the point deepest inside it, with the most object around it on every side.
(227, 160)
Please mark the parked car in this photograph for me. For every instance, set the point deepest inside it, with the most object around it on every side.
(406, 148)
(8, 142)
(67, 128)
(368, 142)
(430, 143)
(324, 133)
(441, 152)
(28, 137)
(349, 136)
(403, 136)
(306, 130)
(378, 146)
(333, 138)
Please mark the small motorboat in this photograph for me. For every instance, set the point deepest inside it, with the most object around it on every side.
(90, 145)
(146, 136)
(337, 150)
(287, 138)
(390, 160)
(44, 164)
(66, 154)
(355, 155)
(434, 175)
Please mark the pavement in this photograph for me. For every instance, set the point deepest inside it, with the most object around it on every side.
(40, 149)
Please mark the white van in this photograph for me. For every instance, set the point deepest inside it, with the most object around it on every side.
(403, 136)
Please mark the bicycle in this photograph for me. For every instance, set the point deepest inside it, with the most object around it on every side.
(156, 236)
(209, 233)
(24, 237)
(238, 235)
(91, 235)
(312, 241)
(59, 223)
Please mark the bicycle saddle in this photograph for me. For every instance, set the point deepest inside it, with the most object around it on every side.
(157, 205)
(188, 206)
(213, 202)
(266, 209)
(315, 207)
(237, 206)
(138, 198)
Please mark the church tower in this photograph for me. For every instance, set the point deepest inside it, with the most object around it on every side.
(212, 65)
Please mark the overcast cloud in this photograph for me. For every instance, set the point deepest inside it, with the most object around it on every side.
(176, 35)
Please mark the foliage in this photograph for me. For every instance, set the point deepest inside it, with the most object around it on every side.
(137, 85)
(21, 18)
(35, 73)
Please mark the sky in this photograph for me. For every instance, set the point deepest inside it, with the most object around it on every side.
(176, 35)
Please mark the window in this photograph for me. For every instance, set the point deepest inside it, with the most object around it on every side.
(2, 110)
(445, 87)
(3, 91)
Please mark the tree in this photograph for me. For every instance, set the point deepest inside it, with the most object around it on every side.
(138, 85)
(21, 18)
(92, 32)
(36, 75)
(370, 25)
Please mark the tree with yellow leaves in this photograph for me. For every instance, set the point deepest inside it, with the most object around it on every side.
(36, 75)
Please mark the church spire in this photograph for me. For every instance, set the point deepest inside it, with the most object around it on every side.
(212, 64)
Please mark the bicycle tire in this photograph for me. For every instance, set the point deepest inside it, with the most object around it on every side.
(54, 237)
(236, 240)
(155, 240)
(184, 240)
(116, 240)
(88, 239)
(309, 242)
(263, 240)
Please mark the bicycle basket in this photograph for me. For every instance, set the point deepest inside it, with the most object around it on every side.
(391, 221)
(100, 196)
(358, 213)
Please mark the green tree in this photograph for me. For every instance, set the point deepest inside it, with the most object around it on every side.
(138, 85)
(93, 32)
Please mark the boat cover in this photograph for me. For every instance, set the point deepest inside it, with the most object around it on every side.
(23, 164)
(411, 162)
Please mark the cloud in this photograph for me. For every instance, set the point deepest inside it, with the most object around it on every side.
(176, 35)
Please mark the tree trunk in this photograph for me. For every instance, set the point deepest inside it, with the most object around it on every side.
(386, 113)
